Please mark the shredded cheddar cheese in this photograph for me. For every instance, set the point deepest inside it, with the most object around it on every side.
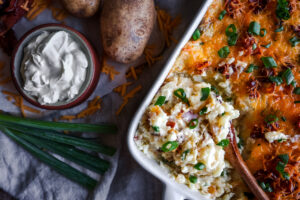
(93, 106)
(109, 70)
(127, 97)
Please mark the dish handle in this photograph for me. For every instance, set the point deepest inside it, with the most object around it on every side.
(171, 194)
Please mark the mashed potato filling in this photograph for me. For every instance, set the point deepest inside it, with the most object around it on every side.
(187, 132)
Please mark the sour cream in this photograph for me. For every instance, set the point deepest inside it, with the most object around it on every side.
(54, 67)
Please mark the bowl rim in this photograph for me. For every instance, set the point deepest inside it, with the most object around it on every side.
(85, 94)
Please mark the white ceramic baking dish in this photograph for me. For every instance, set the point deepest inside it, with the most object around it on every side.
(173, 191)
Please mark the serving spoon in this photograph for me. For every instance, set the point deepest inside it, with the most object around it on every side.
(234, 157)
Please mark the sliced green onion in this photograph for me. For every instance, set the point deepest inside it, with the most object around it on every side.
(222, 14)
(160, 101)
(254, 46)
(169, 146)
(288, 76)
(295, 102)
(155, 128)
(205, 93)
(199, 166)
(296, 90)
(223, 143)
(262, 32)
(214, 89)
(294, 41)
(294, 83)
(251, 68)
(280, 166)
(193, 123)
(283, 118)
(196, 34)
(230, 30)
(279, 29)
(271, 119)
(193, 179)
(282, 9)
(254, 28)
(203, 111)
(232, 39)
(284, 158)
(266, 187)
(201, 43)
(285, 175)
(59, 126)
(276, 79)
(267, 45)
(61, 167)
(224, 52)
(181, 95)
(184, 154)
(269, 62)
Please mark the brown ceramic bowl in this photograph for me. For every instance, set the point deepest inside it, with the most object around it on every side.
(93, 70)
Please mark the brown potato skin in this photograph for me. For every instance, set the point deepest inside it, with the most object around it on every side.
(81, 8)
(126, 26)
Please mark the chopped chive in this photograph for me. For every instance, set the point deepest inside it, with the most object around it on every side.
(203, 111)
(267, 45)
(223, 143)
(279, 29)
(214, 89)
(294, 83)
(276, 79)
(262, 32)
(251, 68)
(296, 90)
(169, 146)
(201, 43)
(288, 76)
(222, 14)
(294, 41)
(295, 102)
(266, 187)
(284, 158)
(232, 35)
(283, 118)
(254, 28)
(224, 52)
(193, 123)
(205, 93)
(155, 128)
(199, 166)
(184, 154)
(196, 34)
(160, 101)
(269, 62)
(193, 179)
(254, 46)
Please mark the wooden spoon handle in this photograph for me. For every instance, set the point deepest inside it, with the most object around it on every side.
(238, 163)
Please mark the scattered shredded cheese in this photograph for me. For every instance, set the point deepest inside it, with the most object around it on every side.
(109, 70)
(127, 97)
(40, 5)
(93, 106)
(148, 52)
(19, 103)
(122, 89)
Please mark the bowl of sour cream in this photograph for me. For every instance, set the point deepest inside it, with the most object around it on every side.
(55, 67)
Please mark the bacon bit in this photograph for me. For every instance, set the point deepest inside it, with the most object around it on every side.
(257, 132)
(224, 69)
(253, 86)
(109, 70)
(282, 188)
(167, 24)
(258, 5)
(199, 68)
(293, 5)
(171, 124)
(127, 97)
(234, 8)
(246, 42)
(296, 29)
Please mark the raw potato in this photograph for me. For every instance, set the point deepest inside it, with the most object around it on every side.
(82, 8)
(126, 26)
